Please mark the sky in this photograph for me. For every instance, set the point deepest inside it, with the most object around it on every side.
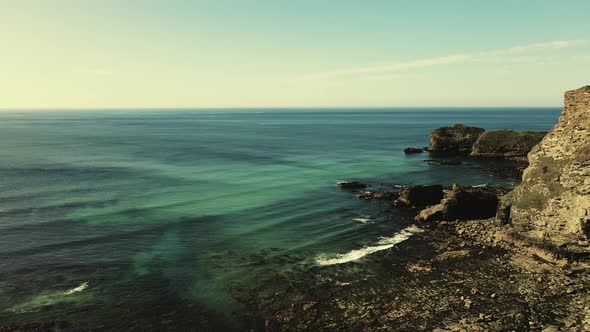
(98, 54)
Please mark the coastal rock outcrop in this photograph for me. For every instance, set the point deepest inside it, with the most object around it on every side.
(458, 138)
(506, 143)
(419, 196)
(551, 207)
(464, 203)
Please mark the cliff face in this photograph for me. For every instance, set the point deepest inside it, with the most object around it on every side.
(552, 204)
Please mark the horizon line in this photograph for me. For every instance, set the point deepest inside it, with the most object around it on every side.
(138, 108)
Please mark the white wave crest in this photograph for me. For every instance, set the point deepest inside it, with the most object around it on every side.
(383, 244)
(80, 288)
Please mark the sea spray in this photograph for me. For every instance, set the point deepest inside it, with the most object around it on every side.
(383, 244)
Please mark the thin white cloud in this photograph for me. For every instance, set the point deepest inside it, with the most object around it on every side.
(392, 66)
(541, 46)
(445, 60)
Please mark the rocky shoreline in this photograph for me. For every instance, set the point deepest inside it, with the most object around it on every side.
(456, 276)
(490, 259)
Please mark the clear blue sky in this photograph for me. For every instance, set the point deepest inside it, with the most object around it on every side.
(297, 53)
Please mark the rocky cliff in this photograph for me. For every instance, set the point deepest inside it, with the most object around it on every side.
(551, 206)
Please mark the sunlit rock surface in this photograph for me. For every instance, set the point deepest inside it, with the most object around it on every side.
(552, 204)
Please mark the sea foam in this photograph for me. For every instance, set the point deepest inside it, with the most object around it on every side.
(80, 288)
(383, 244)
(52, 298)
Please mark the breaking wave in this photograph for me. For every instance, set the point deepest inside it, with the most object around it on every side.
(383, 244)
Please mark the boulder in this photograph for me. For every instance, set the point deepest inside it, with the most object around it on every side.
(378, 195)
(464, 203)
(419, 196)
(506, 143)
(431, 213)
(503, 211)
(551, 207)
(352, 185)
(468, 203)
(413, 150)
(458, 138)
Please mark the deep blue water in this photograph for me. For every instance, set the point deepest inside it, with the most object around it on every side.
(122, 219)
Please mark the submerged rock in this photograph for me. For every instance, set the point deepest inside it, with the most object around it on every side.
(443, 161)
(413, 150)
(551, 206)
(464, 203)
(458, 138)
(352, 185)
(419, 196)
(506, 143)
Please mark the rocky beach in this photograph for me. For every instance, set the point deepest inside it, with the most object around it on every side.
(484, 258)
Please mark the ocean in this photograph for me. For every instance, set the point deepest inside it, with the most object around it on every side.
(168, 219)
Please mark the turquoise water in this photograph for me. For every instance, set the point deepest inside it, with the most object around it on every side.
(133, 219)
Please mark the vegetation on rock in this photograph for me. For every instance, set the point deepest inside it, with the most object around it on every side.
(506, 143)
(458, 138)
